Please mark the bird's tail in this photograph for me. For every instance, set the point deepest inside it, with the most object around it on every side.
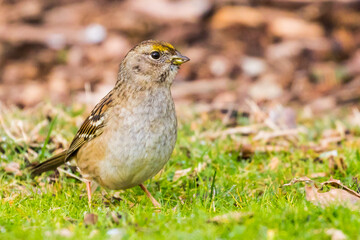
(49, 164)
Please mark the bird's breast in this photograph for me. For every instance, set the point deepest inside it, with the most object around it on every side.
(141, 140)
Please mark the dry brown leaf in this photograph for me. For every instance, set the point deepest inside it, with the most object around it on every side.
(14, 168)
(171, 10)
(231, 217)
(274, 163)
(292, 28)
(180, 173)
(239, 15)
(90, 218)
(339, 195)
(338, 184)
(335, 234)
(334, 196)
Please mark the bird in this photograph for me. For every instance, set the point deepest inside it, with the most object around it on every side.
(131, 133)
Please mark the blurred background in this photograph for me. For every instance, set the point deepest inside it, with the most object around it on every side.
(289, 52)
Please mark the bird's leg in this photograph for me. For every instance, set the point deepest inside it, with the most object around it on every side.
(88, 189)
(148, 194)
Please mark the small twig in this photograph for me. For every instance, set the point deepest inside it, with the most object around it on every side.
(336, 183)
(296, 180)
(20, 125)
(7, 131)
(230, 131)
(278, 133)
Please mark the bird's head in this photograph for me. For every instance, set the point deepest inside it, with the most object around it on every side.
(152, 62)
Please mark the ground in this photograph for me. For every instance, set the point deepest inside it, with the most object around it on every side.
(222, 187)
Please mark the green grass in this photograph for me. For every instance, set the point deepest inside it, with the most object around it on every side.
(52, 207)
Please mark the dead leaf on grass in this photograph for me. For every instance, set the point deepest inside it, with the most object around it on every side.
(183, 172)
(341, 194)
(231, 217)
(274, 163)
(327, 198)
(90, 218)
(14, 168)
(335, 234)
(180, 173)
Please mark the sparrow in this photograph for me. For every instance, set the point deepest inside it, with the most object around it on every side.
(131, 133)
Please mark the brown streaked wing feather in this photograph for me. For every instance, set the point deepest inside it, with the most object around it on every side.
(92, 126)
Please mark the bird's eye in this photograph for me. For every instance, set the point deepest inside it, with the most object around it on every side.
(155, 55)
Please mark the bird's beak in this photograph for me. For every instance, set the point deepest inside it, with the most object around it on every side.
(179, 59)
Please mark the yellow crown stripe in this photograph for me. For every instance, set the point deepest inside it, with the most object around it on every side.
(163, 47)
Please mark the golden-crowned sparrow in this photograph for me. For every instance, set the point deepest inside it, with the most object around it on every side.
(131, 133)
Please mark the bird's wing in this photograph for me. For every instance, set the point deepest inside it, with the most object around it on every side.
(93, 125)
